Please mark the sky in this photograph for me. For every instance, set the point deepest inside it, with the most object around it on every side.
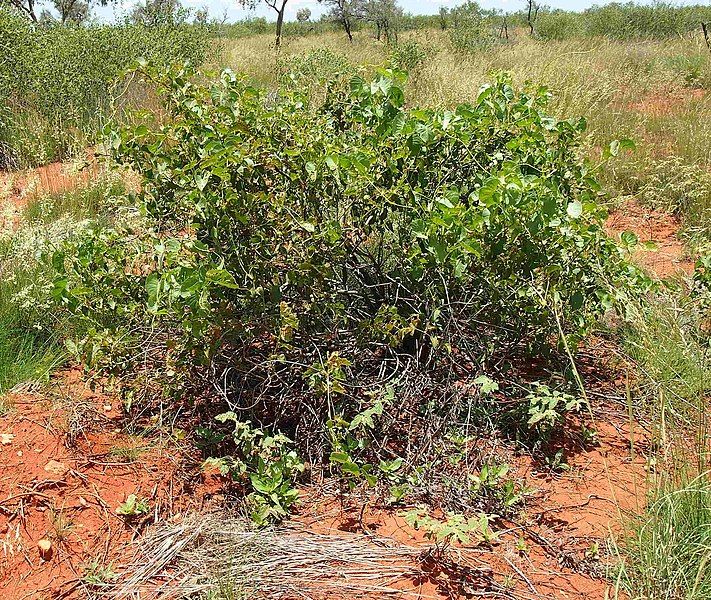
(233, 10)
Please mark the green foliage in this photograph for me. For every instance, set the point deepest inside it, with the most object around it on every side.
(547, 408)
(376, 170)
(97, 575)
(268, 464)
(495, 487)
(133, 507)
(409, 55)
(58, 82)
(692, 68)
(315, 67)
(28, 342)
(472, 28)
(559, 25)
(348, 441)
(623, 21)
(454, 528)
(639, 21)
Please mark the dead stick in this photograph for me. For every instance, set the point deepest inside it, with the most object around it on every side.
(24, 495)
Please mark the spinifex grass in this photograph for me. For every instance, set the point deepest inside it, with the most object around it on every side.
(667, 553)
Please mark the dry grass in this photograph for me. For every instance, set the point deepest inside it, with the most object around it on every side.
(223, 558)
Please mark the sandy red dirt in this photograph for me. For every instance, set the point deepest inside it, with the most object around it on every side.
(65, 468)
(666, 101)
(670, 257)
(69, 496)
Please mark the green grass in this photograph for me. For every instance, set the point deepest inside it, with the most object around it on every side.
(26, 354)
(667, 554)
(672, 354)
(31, 328)
(87, 201)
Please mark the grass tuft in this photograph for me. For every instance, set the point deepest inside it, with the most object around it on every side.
(667, 555)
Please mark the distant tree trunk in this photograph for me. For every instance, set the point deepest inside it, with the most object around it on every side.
(27, 7)
(504, 33)
(347, 27)
(279, 24)
(532, 14)
(707, 35)
(377, 29)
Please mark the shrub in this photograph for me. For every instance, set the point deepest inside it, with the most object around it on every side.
(471, 28)
(302, 257)
(313, 69)
(409, 55)
(558, 25)
(58, 82)
(659, 20)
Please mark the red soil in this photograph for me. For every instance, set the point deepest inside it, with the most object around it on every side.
(555, 549)
(666, 101)
(66, 467)
(54, 178)
(652, 225)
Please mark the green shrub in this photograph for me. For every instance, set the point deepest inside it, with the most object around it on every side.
(58, 82)
(304, 256)
(558, 25)
(313, 69)
(472, 28)
(659, 20)
(409, 55)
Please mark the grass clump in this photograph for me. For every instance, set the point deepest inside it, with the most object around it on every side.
(672, 351)
(26, 353)
(666, 555)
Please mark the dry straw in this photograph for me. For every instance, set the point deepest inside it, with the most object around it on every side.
(203, 557)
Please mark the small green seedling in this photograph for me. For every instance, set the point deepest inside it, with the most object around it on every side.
(133, 507)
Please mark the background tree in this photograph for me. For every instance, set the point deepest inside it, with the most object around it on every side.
(26, 7)
(532, 8)
(201, 16)
(385, 15)
(70, 11)
(345, 13)
(443, 13)
(303, 15)
(159, 12)
(278, 6)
